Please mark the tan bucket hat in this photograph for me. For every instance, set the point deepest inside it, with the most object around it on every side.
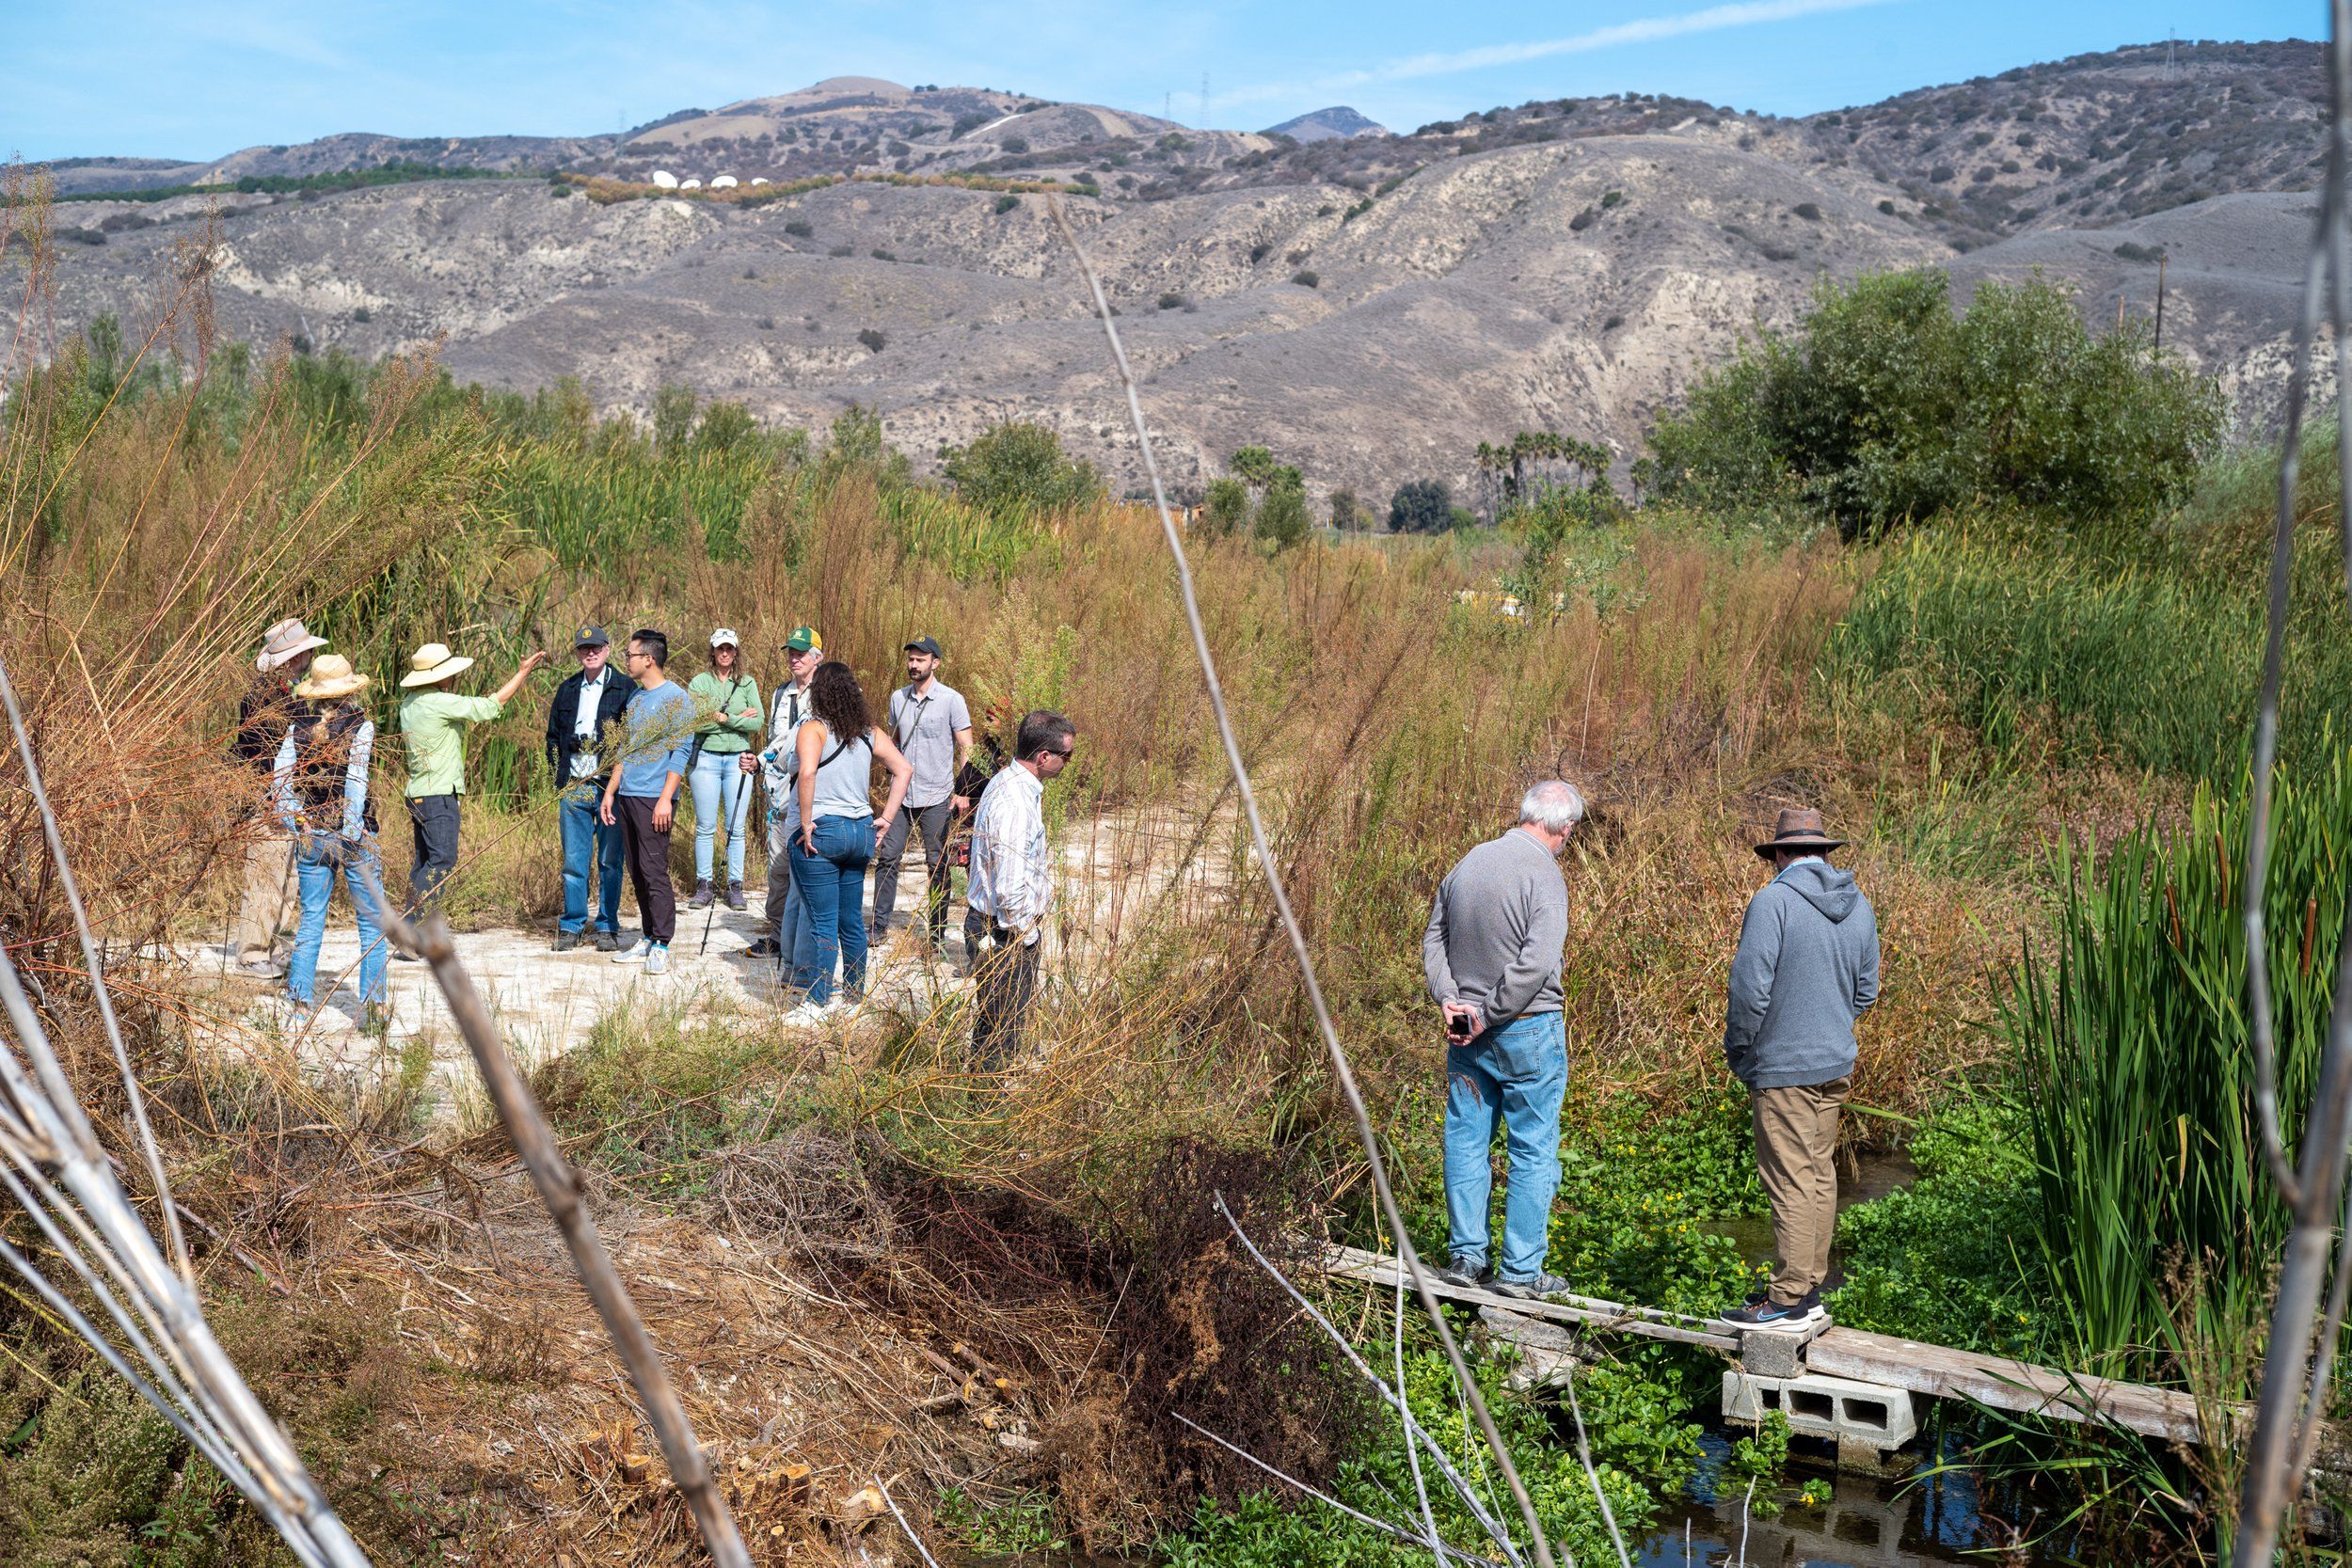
(331, 675)
(284, 642)
(1799, 828)
(434, 664)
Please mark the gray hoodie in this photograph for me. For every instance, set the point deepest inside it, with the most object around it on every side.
(1807, 967)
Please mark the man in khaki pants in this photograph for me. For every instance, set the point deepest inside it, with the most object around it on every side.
(1806, 968)
(266, 900)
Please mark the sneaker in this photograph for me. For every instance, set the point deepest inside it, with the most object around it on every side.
(260, 969)
(1778, 1317)
(1463, 1274)
(566, 940)
(764, 947)
(657, 959)
(702, 898)
(809, 1013)
(402, 955)
(633, 955)
(607, 942)
(1530, 1290)
(735, 896)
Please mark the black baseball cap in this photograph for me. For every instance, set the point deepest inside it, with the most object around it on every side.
(925, 646)
(591, 636)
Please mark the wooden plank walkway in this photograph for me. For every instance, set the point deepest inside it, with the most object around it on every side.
(1935, 1369)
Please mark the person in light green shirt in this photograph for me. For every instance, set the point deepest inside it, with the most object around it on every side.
(728, 702)
(433, 725)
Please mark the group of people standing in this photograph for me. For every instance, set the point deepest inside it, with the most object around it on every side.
(1806, 971)
(622, 744)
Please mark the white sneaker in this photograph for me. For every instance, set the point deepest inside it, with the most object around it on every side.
(633, 955)
(657, 961)
(808, 1013)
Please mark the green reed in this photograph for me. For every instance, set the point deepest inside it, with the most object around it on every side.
(2159, 1224)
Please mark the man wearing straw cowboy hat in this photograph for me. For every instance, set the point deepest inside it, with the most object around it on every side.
(433, 725)
(1806, 968)
(266, 895)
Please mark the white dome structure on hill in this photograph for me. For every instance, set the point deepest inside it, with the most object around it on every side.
(690, 185)
(724, 182)
(759, 179)
(664, 178)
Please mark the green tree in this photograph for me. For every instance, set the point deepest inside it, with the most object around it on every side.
(725, 426)
(1281, 519)
(1019, 466)
(1346, 511)
(1225, 509)
(673, 418)
(1421, 506)
(1882, 406)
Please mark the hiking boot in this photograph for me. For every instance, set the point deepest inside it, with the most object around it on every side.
(566, 940)
(1463, 1274)
(607, 942)
(764, 947)
(260, 969)
(702, 896)
(1779, 1317)
(1530, 1290)
(735, 896)
(633, 955)
(658, 959)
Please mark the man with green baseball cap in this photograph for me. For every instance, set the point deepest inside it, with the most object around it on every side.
(777, 765)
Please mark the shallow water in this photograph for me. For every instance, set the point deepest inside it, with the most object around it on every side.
(1933, 1520)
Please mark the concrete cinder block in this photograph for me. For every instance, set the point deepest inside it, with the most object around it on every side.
(1867, 1418)
(1772, 1354)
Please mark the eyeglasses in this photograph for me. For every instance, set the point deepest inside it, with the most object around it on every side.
(1064, 753)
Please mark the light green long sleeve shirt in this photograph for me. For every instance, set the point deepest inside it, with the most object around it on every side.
(716, 703)
(433, 725)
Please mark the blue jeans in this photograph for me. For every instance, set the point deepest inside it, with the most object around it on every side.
(315, 873)
(1511, 1077)
(832, 884)
(715, 782)
(584, 838)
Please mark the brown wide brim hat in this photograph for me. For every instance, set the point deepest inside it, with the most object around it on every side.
(1798, 830)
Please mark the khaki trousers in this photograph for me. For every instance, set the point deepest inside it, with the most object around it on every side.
(1796, 1157)
(268, 898)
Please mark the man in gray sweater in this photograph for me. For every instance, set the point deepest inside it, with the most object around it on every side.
(1492, 956)
(1806, 968)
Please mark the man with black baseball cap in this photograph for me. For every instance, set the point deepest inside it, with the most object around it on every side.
(584, 705)
(778, 765)
(934, 727)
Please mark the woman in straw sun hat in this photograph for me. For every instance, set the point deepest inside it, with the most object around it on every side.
(321, 785)
(433, 726)
(265, 899)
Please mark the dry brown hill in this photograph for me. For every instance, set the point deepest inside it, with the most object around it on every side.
(1371, 307)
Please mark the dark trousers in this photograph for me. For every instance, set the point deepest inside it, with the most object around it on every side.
(648, 854)
(433, 820)
(1004, 987)
(935, 822)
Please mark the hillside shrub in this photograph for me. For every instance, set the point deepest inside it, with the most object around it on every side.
(874, 337)
(1006, 203)
(1809, 210)
(1307, 278)
(1882, 406)
(1019, 467)
(1015, 145)
(1172, 301)
(1225, 506)
(1421, 506)
(800, 229)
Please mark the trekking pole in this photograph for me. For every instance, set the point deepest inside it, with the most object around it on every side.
(735, 829)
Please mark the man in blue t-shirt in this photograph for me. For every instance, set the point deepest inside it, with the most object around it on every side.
(657, 731)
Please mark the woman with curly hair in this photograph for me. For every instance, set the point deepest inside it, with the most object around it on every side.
(838, 751)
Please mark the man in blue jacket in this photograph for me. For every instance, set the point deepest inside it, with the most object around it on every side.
(657, 729)
(1807, 968)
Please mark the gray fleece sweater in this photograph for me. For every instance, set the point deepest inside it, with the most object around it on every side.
(1806, 968)
(1497, 930)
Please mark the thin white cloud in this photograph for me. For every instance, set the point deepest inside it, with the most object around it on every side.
(1740, 14)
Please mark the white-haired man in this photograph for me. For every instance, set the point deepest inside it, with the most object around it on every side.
(1492, 956)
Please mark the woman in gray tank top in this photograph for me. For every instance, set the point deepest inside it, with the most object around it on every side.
(838, 830)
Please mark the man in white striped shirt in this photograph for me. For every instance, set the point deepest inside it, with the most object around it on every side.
(1012, 883)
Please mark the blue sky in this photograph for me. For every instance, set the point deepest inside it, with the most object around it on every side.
(199, 78)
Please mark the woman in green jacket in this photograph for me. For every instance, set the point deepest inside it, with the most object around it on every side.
(727, 700)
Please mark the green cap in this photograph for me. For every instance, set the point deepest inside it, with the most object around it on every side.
(804, 641)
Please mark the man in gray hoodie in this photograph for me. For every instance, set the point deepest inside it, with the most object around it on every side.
(1806, 968)
(1492, 955)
